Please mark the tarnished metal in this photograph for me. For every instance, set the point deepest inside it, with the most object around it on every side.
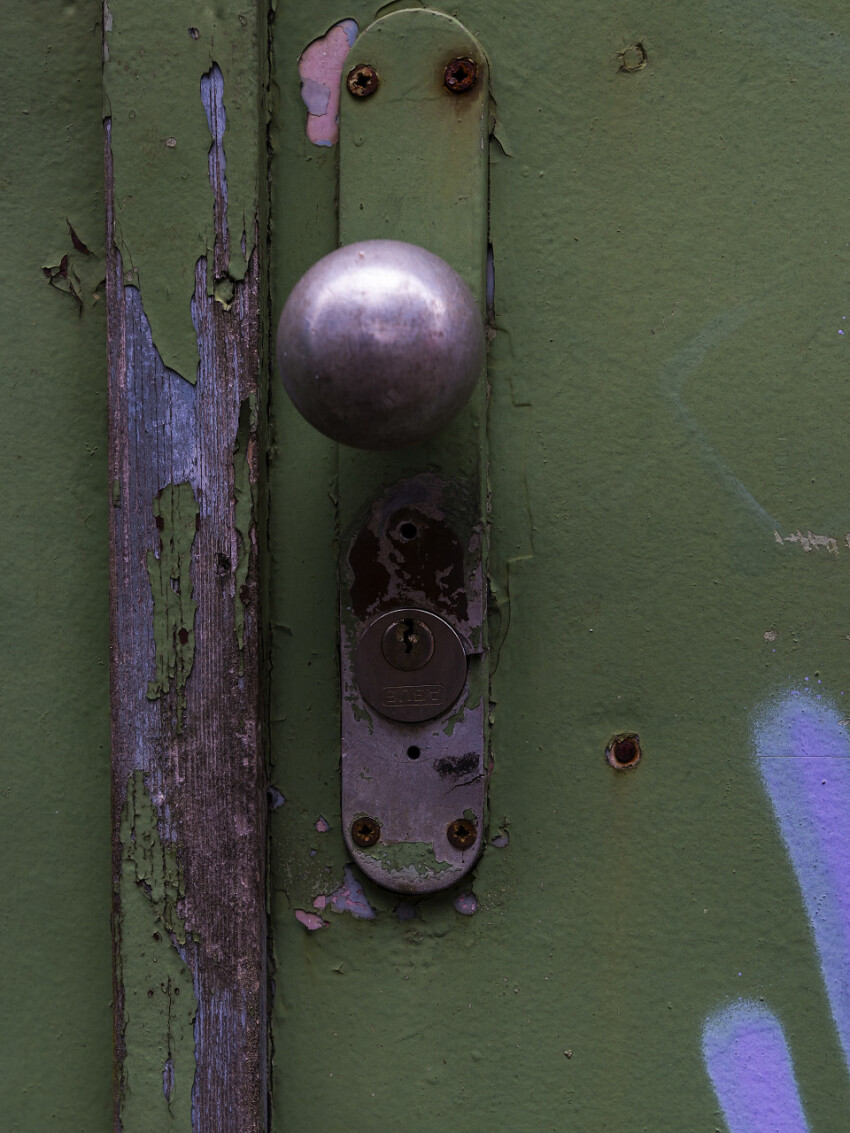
(462, 833)
(365, 831)
(413, 738)
(380, 344)
(410, 665)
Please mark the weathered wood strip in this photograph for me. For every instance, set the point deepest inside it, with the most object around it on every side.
(189, 793)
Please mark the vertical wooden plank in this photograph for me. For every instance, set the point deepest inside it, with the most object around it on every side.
(186, 322)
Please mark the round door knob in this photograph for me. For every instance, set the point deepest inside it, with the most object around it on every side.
(380, 344)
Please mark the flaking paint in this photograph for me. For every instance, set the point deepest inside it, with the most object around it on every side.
(158, 1068)
(152, 77)
(177, 515)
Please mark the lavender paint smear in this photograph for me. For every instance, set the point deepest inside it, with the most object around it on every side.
(803, 753)
(750, 1068)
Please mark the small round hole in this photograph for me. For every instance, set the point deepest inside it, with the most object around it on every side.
(413, 752)
(623, 751)
(408, 531)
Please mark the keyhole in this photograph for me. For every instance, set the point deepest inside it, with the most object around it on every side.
(409, 637)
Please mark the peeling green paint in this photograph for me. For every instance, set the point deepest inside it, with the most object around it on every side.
(244, 508)
(76, 269)
(155, 56)
(159, 999)
(408, 859)
(177, 515)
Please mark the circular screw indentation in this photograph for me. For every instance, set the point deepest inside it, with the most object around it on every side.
(623, 751)
(407, 645)
(408, 530)
(365, 832)
(462, 833)
(362, 80)
(413, 752)
(461, 75)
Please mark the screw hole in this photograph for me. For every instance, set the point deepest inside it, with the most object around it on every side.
(623, 751)
(408, 530)
(413, 752)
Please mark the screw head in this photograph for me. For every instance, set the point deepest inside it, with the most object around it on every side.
(408, 644)
(365, 832)
(362, 80)
(462, 833)
(461, 75)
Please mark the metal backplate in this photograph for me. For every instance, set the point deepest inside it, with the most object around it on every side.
(413, 167)
(414, 779)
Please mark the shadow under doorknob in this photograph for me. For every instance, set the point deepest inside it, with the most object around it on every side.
(380, 344)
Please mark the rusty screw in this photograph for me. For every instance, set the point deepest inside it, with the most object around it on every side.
(365, 832)
(461, 75)
(362, 80)
(623, 751)
(462, 833)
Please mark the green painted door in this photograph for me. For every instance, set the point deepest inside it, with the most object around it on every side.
(669, 558)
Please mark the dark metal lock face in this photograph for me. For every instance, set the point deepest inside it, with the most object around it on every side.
(410, 665)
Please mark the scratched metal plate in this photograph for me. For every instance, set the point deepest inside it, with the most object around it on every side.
(418, 132)
(414, 779)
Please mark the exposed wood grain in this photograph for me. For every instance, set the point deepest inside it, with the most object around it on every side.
(202, 763)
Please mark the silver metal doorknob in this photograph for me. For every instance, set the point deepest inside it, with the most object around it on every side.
(380, 344)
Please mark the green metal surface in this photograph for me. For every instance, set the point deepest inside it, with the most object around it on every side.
(666, 423)
(55, 1044)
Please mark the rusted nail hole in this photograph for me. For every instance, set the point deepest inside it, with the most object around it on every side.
(461, 833)
(461, 75)
(362, 80)
(408, 530)
(413, 752)
(365, 832)
(177, 991)
(623, 751)
(150, 993)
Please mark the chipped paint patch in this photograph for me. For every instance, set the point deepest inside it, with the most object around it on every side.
(158, 1068)
(408, 861)
(311, 921)
(320, 68)
(750, 1067)
(350, 898)
(176, 514)
(466, 904)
